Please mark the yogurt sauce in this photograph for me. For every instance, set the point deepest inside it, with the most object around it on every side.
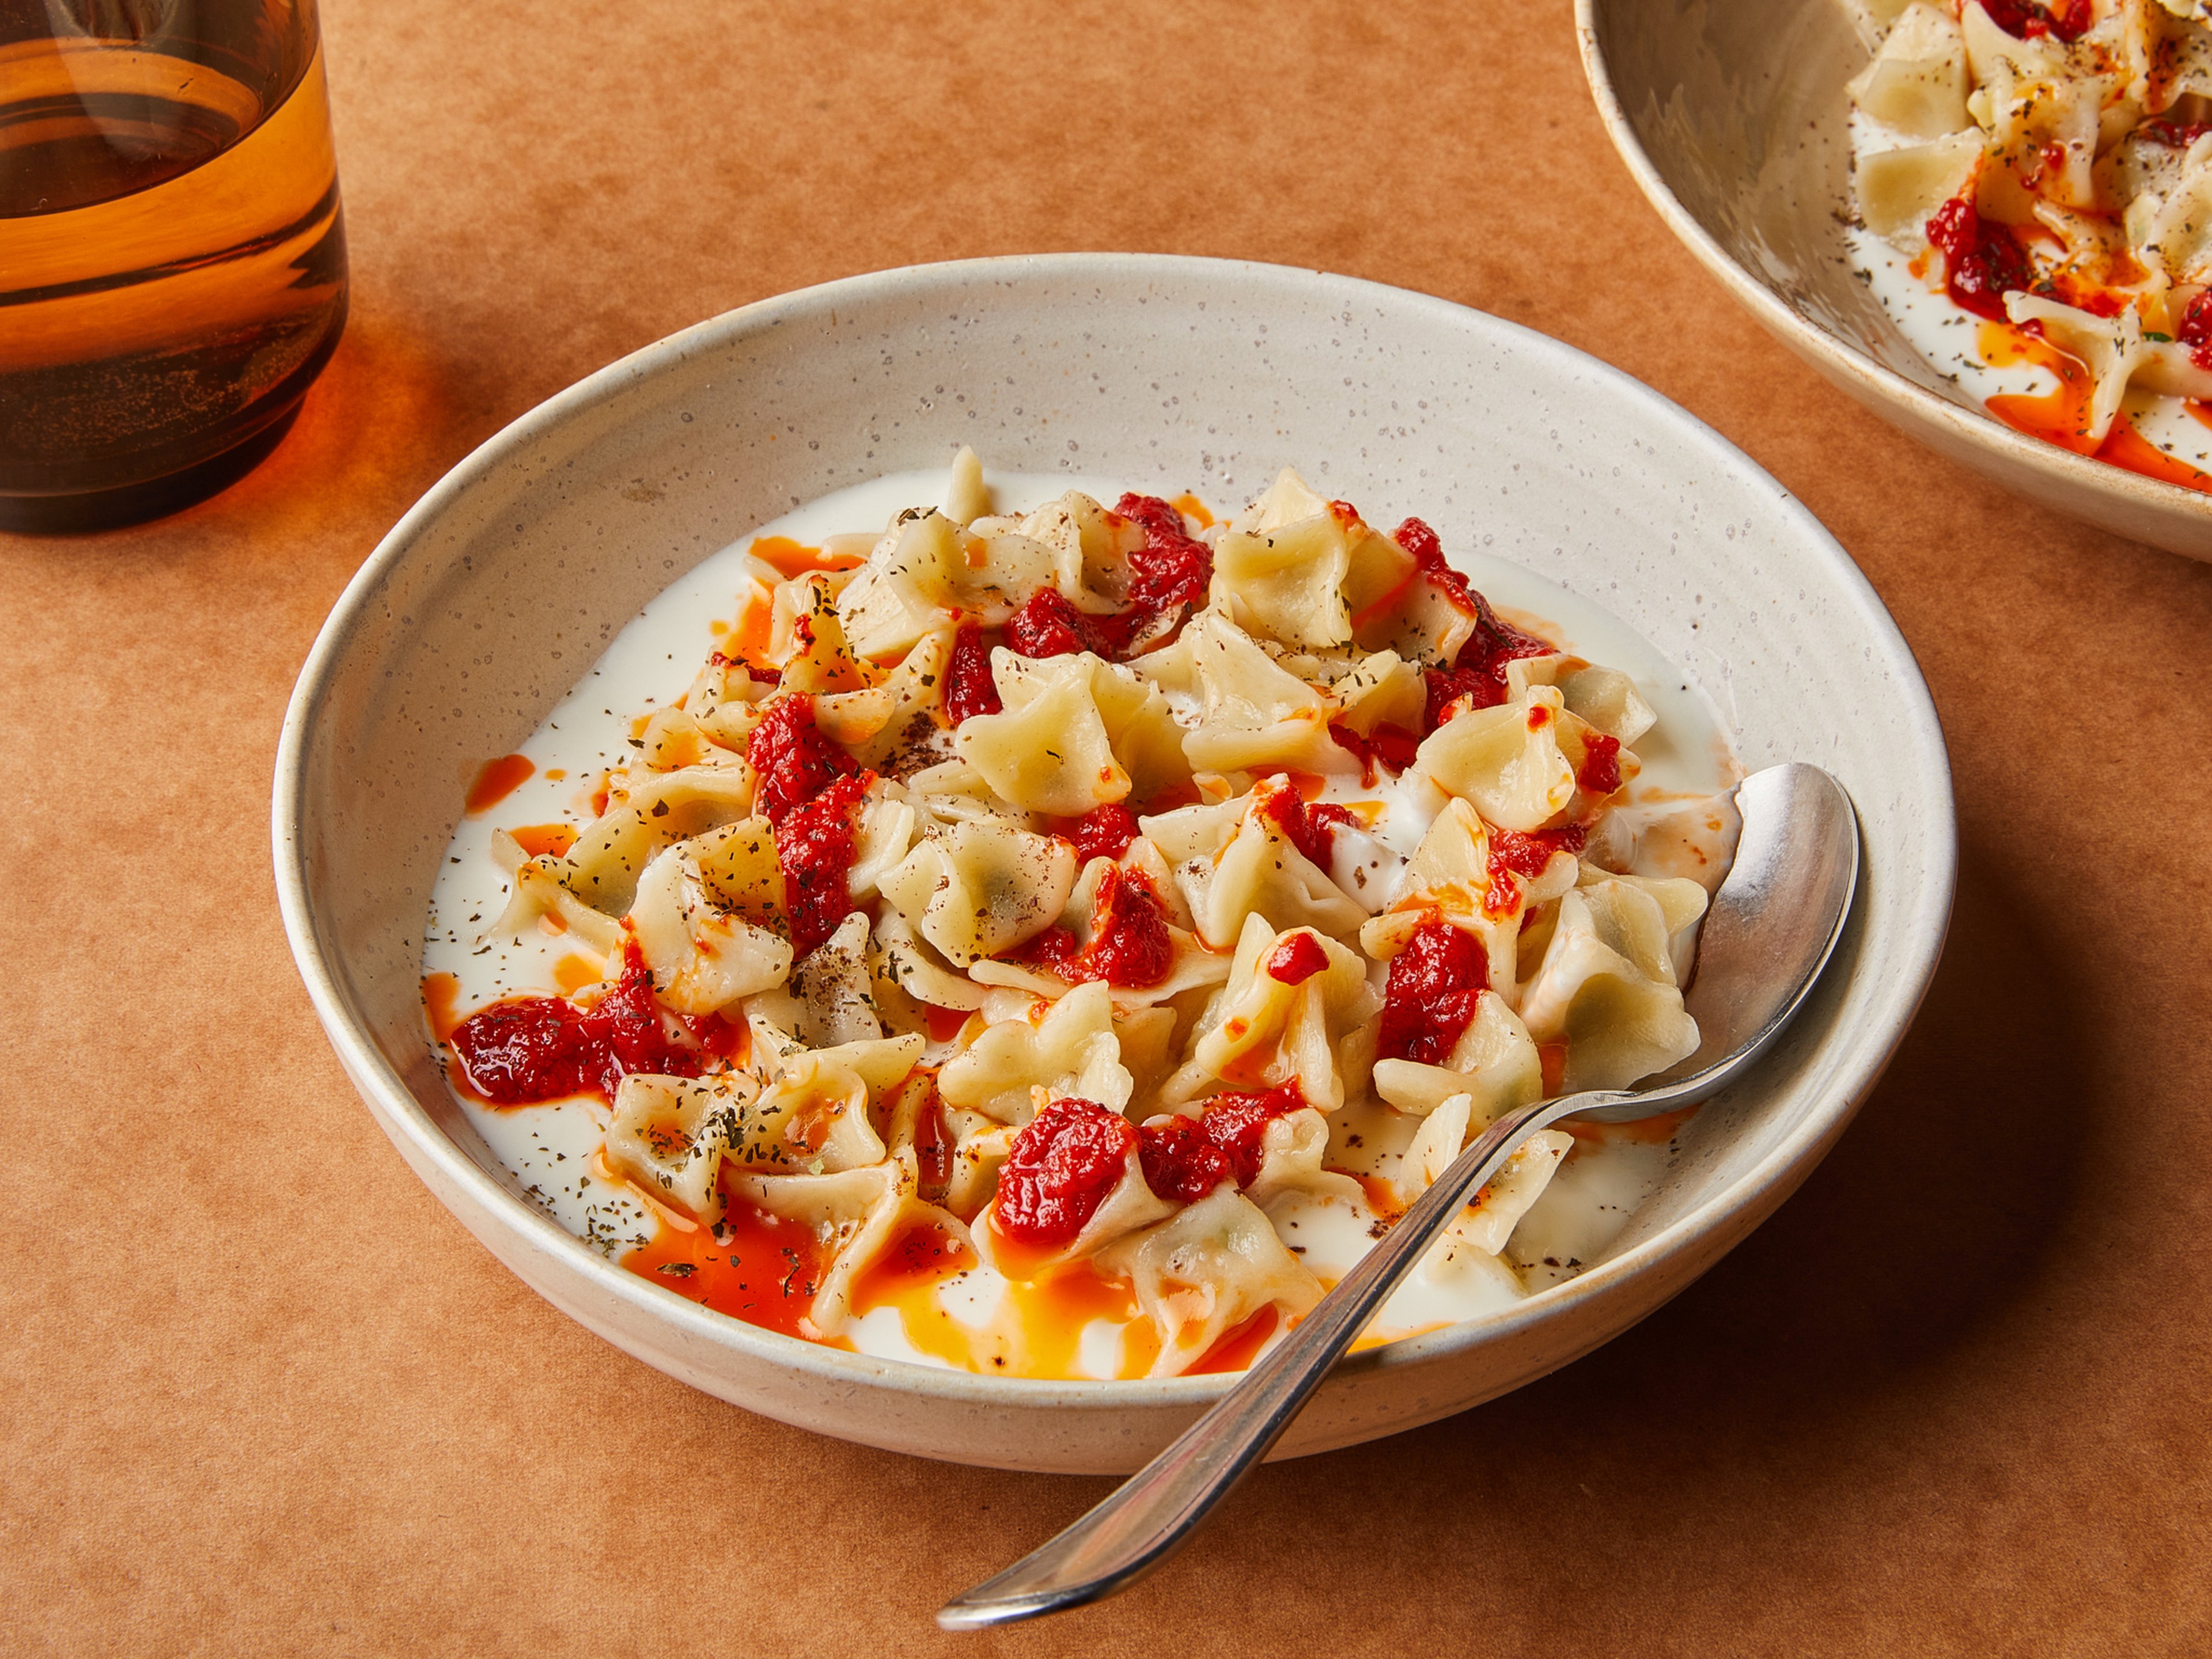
(550, 1150)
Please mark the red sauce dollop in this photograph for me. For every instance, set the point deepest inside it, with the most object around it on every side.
(1479, 673)
(1296, 959)
(969, 687)
(1104, 832)
(1173, 568)
(1982, 262)
(1238, 1123)
(1060, 1169)
(814, 847)
(1393, 746)
(1310, 828)
(791, 761)
(495, 780)
(1049, 625)
(2195, 331)
(1181, 1162)
(1129, 944)
(1434, 986)
(1514, 855)
(1185, 1158)
(2070, 20)
(1600, 774)
(525, 1049)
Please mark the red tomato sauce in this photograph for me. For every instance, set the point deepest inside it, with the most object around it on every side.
(2024, 20)
(1184, 1158)
(525, 1049)
(814, 848)
(1059, 1171)
(1129, 944)
(1429, 997)
(1514, 856)
(791, 760)
(1310, 828)
(968, 688)
(1049, 625)
(1982, 260)
(1600, 773)
(1173, 569)
(1478, 676)
(1103, 832)
(1388, 746)
(1296, 959)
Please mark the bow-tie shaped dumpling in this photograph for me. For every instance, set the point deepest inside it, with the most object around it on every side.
(1205, 1271)
(669, 1134)
(1523, 764)
(1067, 1047)
(703, 955)
(1607, 986)
(982, 886)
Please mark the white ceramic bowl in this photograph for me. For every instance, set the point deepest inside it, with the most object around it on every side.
(1732, 117)
(507, 580)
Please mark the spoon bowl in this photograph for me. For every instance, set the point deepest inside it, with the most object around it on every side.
(1767, 934)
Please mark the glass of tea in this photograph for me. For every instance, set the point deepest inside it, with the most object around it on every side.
(173, 269)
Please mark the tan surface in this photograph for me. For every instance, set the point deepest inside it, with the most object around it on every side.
(259, 1393)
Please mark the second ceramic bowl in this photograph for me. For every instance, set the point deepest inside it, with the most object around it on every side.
(1732, 116)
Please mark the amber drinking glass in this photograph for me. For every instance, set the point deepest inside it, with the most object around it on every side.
(173, 270)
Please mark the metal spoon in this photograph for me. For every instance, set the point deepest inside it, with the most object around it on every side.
(1766, 936)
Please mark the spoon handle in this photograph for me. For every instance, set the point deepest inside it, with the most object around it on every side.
(1149, 1517)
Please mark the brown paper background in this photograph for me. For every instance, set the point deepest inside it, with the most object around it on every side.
(259, 1393)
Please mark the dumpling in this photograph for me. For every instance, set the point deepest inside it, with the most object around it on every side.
(815, 1116)
(1607, 986)
(808, 640)
(1232, 861)
(1898, 188)
(1256, 715)
(834, 989)
(880, 724)
(703, 956)
(856, 1215)
(1522, 764)
(1280, 569)
(909, 975)
(644, 812)
(1290, 999)
(1067, 1047)
(1076, 734)
(1488, 1223)
(1205, 1271)
(538, 898)
(1451, 874)
(967, 497)
(669, 1135)
(1025, 1230)
(1917, 81)
(982, 886)
(1494, 1063)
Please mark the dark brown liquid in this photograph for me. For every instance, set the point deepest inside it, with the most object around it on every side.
(173, 270)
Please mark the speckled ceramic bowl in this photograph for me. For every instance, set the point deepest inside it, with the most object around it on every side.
(500, 585)
(1733, 118)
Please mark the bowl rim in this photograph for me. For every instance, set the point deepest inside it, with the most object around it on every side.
(1872, 382)
(419, 1136)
